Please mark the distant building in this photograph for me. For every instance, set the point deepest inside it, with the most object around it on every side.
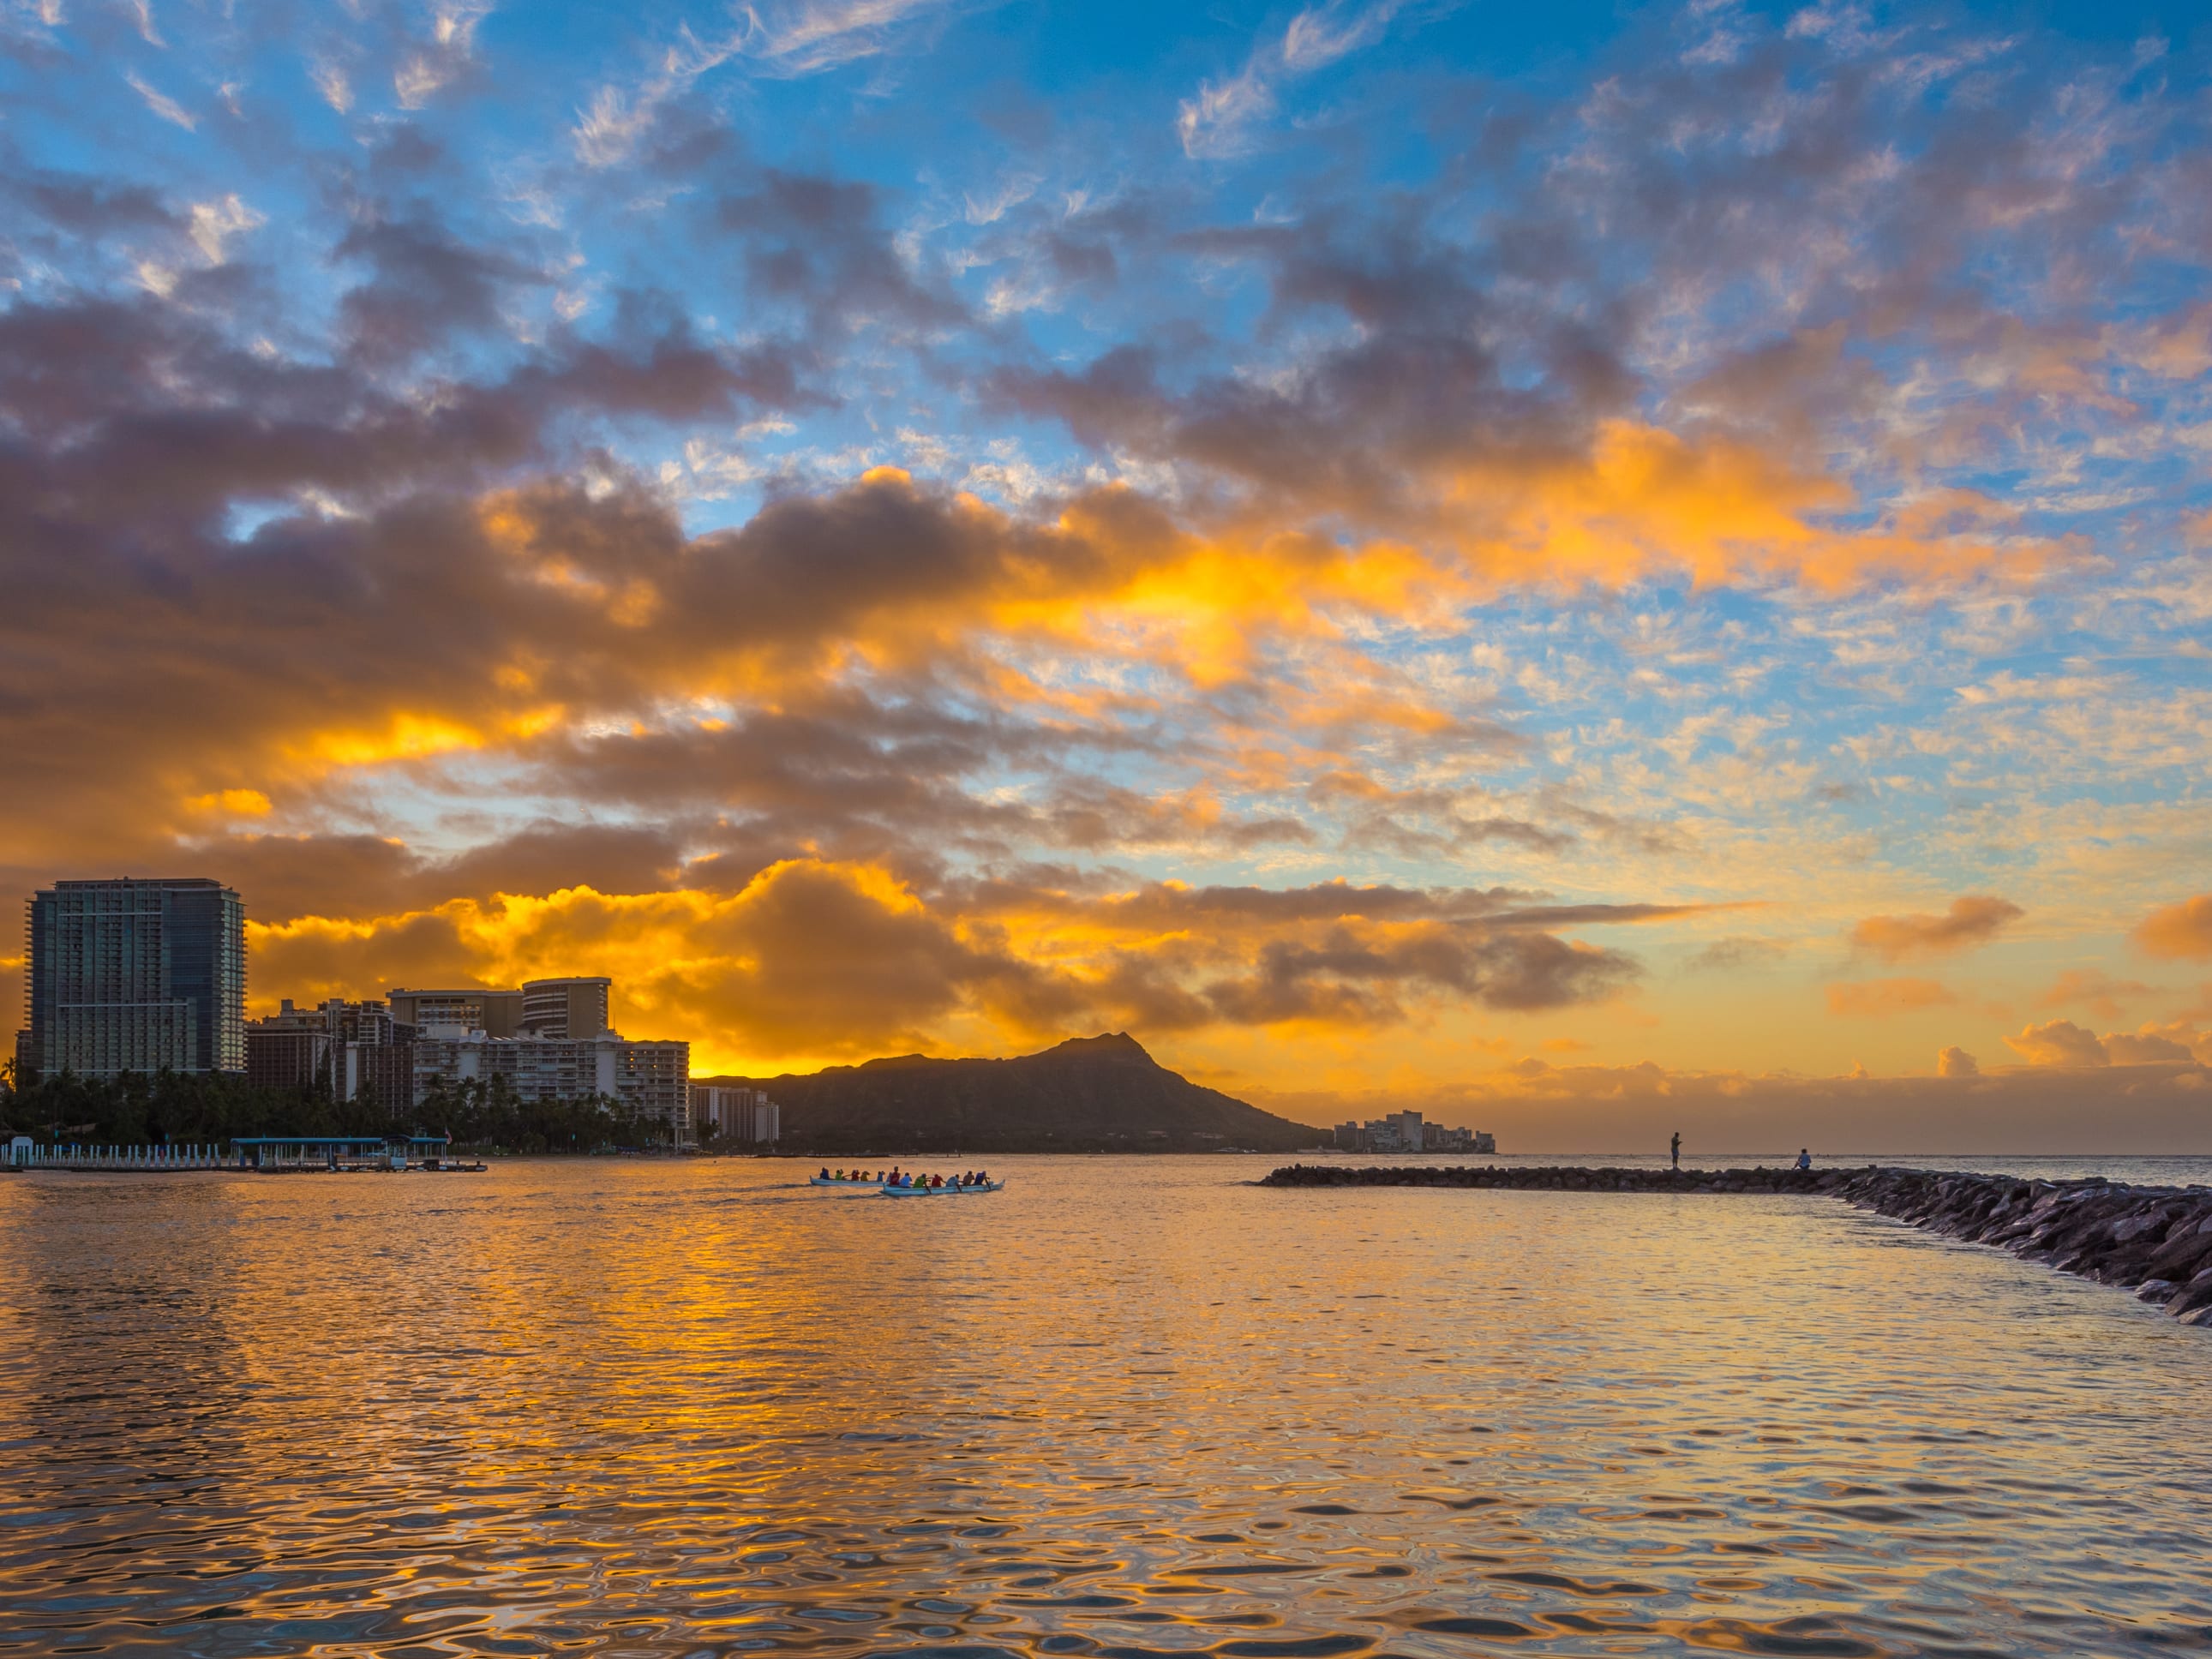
(354, 1050)
(565, 1008)
(548, 1041)
(496, 1013)
(745, 1116)
(1407, 1132)
(653, 1079)
(290, 1050)
(134, 975)
(543, 1007)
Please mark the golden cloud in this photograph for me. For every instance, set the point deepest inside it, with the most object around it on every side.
(811, 960)
(2093, 989)
(2182, 931)
(2059, 1043)
(1644, 500)
(1971, 922)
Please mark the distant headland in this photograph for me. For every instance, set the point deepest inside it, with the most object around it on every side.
(1089, 1094)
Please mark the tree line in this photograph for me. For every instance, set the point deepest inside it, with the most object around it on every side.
(189, 1109)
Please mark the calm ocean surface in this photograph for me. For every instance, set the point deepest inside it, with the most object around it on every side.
(1126, 1407)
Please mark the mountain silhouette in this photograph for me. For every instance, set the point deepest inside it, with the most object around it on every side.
(1089, 1094)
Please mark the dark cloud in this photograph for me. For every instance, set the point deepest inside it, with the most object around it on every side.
(425, 286)
(818, 243)
(1736, 952)
(1346, 979)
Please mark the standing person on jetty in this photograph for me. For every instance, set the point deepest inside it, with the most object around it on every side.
(1674, 1151)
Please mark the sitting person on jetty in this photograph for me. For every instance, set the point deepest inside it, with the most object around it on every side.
(1804, 1158)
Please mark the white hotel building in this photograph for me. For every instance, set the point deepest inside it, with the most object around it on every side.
(549, 1040)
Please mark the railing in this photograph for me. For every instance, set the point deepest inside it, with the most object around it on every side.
(113, 1157)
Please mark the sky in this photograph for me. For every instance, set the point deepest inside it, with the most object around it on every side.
(1580, 567)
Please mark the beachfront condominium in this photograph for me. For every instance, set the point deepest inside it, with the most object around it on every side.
(496, 1013)
(133, 974)
(652, 1079)
(543, 1007)
(565, 1008)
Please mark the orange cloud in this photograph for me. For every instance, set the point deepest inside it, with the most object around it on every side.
(1645, 500)
(813, 960)
(2060, 1043)
(2093, 989)
(1957, 1062)
(237, 803)
(807, 961)
(1971, 922)
(2178, 931)
(1875, 999)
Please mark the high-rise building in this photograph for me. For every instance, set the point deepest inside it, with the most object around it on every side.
(543, 1007)
(496, 1013)
(354, 1049)
(547, 1041)
(565, 1008)
(288, 1049)
(719, 1111)
(135, 975)
(653, 1079)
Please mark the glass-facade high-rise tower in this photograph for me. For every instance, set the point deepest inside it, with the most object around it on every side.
(134, 975)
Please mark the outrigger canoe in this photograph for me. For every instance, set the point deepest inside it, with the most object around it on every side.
(939, 1192)
(834, 1181)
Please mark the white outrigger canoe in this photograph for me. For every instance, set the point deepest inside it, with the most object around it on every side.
(939, 1192)
(839, 1181)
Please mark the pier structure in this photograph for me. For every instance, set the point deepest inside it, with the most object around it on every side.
(268, 1154)
(26, 1154)
(272, 1154)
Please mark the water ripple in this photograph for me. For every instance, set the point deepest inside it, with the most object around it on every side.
(1124, 1409)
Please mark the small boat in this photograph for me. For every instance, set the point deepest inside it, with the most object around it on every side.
(840, 1181)
(939, 1192)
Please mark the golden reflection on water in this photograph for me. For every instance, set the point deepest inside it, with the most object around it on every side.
(1125, 1407)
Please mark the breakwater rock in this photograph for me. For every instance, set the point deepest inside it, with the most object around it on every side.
(1560, 1178)
(2155, 1241)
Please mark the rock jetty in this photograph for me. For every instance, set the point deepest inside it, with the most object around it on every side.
(2154, 1241)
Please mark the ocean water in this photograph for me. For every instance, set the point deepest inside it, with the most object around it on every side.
(1127, 1407)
